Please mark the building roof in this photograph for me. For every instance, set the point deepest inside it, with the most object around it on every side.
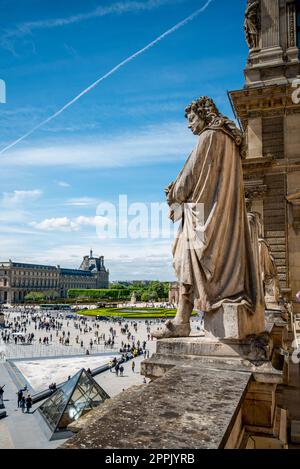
(82, 273)
(27, 266)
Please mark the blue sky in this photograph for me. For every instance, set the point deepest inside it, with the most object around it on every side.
(126, 136)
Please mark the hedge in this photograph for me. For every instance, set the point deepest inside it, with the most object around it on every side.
(101, 294)
(147, 313)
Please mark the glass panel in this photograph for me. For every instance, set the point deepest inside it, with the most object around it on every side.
(74, 399)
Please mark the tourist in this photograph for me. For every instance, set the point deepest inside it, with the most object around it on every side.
(1, 396)
(121, 370)
(20, 395)
(28, 403)
(133, 366)
(23, 403)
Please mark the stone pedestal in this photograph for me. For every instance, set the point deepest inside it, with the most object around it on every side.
(257, 356)
(253, 355)
(233, 321)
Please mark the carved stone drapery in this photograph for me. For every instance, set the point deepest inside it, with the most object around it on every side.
(252, 23)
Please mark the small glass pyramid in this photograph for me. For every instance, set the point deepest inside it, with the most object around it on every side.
(73, 399)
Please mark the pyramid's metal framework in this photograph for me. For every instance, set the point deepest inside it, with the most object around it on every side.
(74, 399)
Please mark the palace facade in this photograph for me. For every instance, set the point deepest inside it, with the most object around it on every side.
(268, 108)
(17, 279)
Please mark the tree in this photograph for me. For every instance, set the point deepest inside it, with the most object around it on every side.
(157, 287)
(35, 296)
(51, 295)
(153, 296)
(145, 296)
(117, 286)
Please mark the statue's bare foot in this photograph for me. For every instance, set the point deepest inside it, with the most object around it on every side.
(172, 330)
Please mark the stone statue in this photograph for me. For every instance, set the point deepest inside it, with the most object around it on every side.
(255, 227)
(269, 272)
(267, 269)
(213, 258)
(133, 299)
(252, 23)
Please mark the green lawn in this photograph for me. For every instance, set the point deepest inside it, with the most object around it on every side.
(132, 313)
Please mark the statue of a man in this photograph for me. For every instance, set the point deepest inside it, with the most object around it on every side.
(269, 271)
(252, 23)
(213, 258)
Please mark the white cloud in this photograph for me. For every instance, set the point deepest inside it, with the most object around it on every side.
(9, 36)
(56, 224)
(68, 224)
(63, 184)
(81, 201)
(19, 197)
(161, 143)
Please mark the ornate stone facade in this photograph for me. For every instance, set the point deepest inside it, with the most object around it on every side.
(17, 279)
(270, 116)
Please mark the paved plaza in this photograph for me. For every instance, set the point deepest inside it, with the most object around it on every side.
(38, 365)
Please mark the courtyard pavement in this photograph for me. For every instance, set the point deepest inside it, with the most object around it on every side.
(19, 430)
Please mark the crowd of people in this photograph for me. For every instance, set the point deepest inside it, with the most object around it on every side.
(27, 326)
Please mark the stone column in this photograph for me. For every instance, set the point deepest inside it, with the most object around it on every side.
(254, 135)
(270, 23)
(292, 49)
(272, 52)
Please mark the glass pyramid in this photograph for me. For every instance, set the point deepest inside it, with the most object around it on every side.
(73, 399)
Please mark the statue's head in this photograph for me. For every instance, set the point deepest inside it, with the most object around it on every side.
(201, 113)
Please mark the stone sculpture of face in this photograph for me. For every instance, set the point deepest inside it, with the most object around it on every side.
(196, 124)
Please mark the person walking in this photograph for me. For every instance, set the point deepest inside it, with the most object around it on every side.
(20, 395)
(133, 366)
(23, 403)
(121, 370)
(1, 396)
(28, 403)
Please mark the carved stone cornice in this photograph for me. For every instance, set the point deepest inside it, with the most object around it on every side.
(261, 101)
(254, 189)
(253, 163)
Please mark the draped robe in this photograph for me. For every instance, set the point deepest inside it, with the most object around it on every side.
(218, 264)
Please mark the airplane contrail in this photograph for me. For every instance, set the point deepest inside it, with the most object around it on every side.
(108, 74)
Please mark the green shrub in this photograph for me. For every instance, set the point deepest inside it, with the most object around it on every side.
(101, 294)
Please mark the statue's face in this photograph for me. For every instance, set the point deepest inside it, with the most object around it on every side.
(196, 124)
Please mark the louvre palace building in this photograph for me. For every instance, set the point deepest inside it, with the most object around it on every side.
(18, 279)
